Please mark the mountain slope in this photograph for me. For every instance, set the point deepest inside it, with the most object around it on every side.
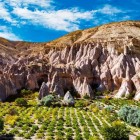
(104, 58)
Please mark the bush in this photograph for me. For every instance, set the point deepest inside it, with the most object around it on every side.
(13, 111)
(40, 135)
(95, 109)
(21, 102)
(25, 92)
(138, 138)
(93, 138)
(99, 93)
(11, 120)
(86, 97)
(109, 108)
(118, 131)
(107, 92)
(14, 131)
(112, 118)
(82, 103)
(130, 114)
(1, 124)
(27, 135)
(47, 100)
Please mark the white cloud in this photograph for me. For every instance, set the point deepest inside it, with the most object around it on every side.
(26, 3)
(43, 13)
(4, 14)
(67, 20)
(5, 32)
(109, 10)
(126, 17)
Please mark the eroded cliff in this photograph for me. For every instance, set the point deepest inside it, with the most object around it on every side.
(85, 61)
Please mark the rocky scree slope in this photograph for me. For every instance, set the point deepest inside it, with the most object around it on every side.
(97, 59)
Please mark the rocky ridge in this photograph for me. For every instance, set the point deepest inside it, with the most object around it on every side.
(97, 59)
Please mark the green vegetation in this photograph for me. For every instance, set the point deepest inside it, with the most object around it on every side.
(117, 131)
(82, 103)
(21, 102)
(1, 124)
(25, 92)
(88, 119)
(47, 101)
(130, 114)
(138, 138)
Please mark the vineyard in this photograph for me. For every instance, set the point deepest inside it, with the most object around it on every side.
(82, 122)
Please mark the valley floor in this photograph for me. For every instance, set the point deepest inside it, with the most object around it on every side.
(82, 122)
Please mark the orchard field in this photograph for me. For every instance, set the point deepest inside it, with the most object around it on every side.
(84, 121)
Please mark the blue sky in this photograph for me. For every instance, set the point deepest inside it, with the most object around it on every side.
(45, 20)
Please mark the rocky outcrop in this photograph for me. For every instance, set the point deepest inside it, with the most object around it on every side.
(98, 59)
(7, 88)
(68, 99)
(44, 91)
(32, 82)
(86, 89)
(125, 89)
(83, 87)
(136, 81)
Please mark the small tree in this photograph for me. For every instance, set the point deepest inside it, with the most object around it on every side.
(21, 102)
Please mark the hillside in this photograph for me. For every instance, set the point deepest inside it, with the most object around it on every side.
(104, 58)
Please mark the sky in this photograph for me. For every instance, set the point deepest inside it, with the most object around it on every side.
(46, 20)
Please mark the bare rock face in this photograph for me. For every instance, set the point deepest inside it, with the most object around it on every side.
(136, 81)
(6, 88)
(125, 89)
(86, 89)
(44, 90)
(101, 58)
(68, 99)
(32, 82)
(83, 87)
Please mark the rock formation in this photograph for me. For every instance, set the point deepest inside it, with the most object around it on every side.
(68, 99)
(44, 91)
(101, 58)
(136, 81)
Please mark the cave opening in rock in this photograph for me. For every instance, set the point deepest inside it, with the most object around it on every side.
(41, 79)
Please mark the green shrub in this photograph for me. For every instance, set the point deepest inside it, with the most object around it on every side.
(130, 114)
(47, 100)
(34, 128)
(106, 92)
(40, 135)
(25, 92)
(1, 124)
(109, 108)
(13, 111)
(99, 93)
(118, 131)
(78, 137)
(86, 97)
(93, 138)
(21, 102)
(82, 103)
(57, 137)
(112, 118)
(14, 131)
(138, 138)
(27, 135)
